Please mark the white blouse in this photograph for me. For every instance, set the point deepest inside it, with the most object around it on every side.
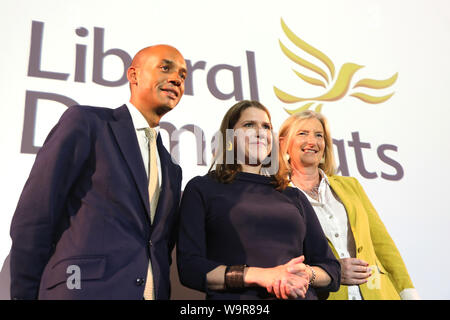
(333, 219)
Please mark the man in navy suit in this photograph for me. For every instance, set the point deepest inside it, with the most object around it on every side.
(82, 228)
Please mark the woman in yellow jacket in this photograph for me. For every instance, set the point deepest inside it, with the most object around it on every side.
(371, 265)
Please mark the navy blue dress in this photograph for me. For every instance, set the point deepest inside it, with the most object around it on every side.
(248, 222)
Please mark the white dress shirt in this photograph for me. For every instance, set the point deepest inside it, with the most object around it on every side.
(140, 124)
(334, 221)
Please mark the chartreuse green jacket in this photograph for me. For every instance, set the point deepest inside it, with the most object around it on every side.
(372, 243)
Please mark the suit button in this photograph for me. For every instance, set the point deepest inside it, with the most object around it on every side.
(360, 249)
(139, 281)
(150, 243)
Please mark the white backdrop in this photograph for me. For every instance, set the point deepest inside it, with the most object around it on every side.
(403, 140)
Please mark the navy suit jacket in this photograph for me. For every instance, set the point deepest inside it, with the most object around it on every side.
(85, 205)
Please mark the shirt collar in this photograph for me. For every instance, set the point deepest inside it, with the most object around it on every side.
(138, 119)
(324, 177)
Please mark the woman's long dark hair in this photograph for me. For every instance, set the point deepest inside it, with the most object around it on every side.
(220, 170)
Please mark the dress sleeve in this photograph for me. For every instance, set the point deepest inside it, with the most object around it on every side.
(316, 249)
(192, 261)
(34, 227)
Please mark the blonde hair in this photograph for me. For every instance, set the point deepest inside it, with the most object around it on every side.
(288, 131)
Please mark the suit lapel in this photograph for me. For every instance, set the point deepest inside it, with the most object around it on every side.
(164, 159)
(125, 135)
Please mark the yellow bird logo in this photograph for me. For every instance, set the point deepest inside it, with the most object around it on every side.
(337, 88)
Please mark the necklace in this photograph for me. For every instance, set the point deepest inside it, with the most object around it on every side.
(314, 191)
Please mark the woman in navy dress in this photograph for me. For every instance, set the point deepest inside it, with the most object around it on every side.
(240, 235)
